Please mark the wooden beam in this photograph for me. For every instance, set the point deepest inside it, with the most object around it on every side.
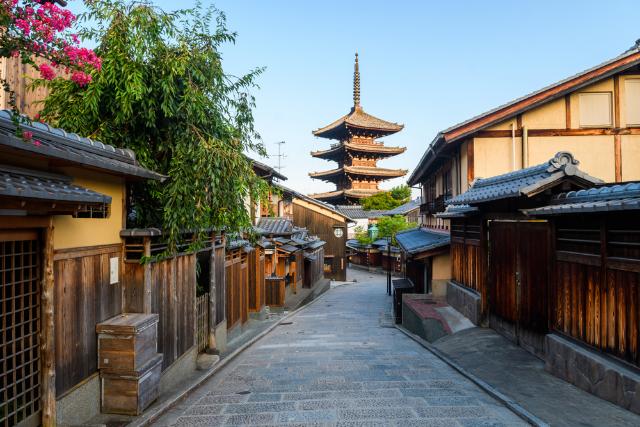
(146, 279)
(616, 101)
(559, 132)
(470, 162)
(69, 253)
(519, 121)
(47, 332)
(567, 111)
(617, 147)
(538, 98)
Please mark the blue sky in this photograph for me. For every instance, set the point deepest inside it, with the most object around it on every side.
(425, 64)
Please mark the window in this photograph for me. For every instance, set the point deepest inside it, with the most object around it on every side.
(446, 183)
(101, 211)
(632, 95)
(595, 109)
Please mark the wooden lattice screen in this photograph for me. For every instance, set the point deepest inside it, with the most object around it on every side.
(19, 327)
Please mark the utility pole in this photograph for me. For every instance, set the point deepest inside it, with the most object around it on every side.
(280, 156)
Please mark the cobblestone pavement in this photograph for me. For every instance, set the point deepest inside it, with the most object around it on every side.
(339, 362)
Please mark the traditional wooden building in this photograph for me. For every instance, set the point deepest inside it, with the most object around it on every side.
(361, 218)
(319, 219)
(62, 207)
(594, 114)
(410, 211)
(357, 153)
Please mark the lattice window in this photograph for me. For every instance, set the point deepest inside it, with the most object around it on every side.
(578, 236)
(19, 327)
(102, 211)
(623, 240)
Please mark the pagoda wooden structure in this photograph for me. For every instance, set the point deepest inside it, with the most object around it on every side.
(357, 153)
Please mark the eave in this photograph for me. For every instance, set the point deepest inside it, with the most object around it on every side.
(374, 173)
(378, 151)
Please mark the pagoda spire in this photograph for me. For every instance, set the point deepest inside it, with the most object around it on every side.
(356, 84)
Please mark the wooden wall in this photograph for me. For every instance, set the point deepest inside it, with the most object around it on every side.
(237, 287)
(468, 255)
(173, 297)
(15, 72)
(314, 269)
(256, 279)
(82, 298)
(595, 295)
(322, 226)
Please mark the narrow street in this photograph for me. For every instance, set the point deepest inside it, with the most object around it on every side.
(340, 362)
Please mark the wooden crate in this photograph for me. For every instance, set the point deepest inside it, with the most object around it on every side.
(127, 342)
(130, 393)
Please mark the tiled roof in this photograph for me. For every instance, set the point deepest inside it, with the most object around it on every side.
(358, 170)
(341, 195)
(357, 118)
(356, 212)
(418, 240)
(309, 199)
(268, 225)
(606, 198)
(68, 147)
(27, 184)
(527, 181)
(341, 148)
(405, 208)
(265, 171)
(289, 248)
(457, 211)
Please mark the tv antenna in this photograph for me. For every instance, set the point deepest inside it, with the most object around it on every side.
(280, 156)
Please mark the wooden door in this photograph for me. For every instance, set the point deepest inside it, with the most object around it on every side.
(519, 277)
(20, 277)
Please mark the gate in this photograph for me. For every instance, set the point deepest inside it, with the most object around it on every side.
(20, 276)
(519, 277)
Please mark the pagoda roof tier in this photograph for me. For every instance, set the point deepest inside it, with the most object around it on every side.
(373, 172)
(375, 150)
(339, 196)
(357, 122)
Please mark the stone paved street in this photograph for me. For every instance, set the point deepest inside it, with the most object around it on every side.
(340, 363)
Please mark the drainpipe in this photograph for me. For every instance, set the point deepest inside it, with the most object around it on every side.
(525, 147)
(513, 146)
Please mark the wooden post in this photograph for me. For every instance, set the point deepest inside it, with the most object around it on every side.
(47, 334)
(212, 295)
(146, 291)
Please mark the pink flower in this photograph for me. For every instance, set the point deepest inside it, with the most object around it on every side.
(46, 72)
(37, 143)
(80, 78)
(27, 135)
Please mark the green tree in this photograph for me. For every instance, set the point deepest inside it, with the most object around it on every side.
(389, 226)
(362, 236)
(388, 199)
(164, 93)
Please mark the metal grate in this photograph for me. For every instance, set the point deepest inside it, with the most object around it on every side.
(19, 327)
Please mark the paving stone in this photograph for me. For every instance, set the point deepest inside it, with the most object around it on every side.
(377, 413)
(248, 408)
(335, 365)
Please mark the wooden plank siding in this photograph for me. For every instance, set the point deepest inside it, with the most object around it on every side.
(82, 298)
(237, 287)
(314, 268)
(256, 279)
(323, 226)
(595, 296)
(469, 256)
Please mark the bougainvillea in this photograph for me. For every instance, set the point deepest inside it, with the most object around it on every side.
(40, 33)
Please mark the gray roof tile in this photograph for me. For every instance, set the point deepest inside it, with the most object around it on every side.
(522, 182)
(24, 183)
(58, 144)
(418, 240)
(275, 226)
(605, 198)
(357, 212)
(405, 208)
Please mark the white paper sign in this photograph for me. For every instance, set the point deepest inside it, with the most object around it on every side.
(113, 270)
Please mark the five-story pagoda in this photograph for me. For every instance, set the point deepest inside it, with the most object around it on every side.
(357, 153)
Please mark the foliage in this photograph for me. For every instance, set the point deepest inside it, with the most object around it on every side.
(389, 226)
(39, 33)
(388, 199)
(163, 93)
(362, 236)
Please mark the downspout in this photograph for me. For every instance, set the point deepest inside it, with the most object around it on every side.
(513, 146)
(525, 147)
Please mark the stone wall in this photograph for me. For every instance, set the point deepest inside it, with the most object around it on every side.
(465, 301)
(593, 372)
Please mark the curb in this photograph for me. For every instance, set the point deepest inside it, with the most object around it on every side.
(511, 404)
(153, 415)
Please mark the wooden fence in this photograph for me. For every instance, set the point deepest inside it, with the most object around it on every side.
(595, 296)
(313, 267)
(256, 279)
(202, 321)
(274, 292)
(83, 297)
(237, 281)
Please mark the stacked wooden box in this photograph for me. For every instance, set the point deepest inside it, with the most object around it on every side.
(128, 361)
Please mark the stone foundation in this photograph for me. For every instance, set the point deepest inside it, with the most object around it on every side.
(80, 404)
(465, 301)
(439, 288)
(593, 372)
